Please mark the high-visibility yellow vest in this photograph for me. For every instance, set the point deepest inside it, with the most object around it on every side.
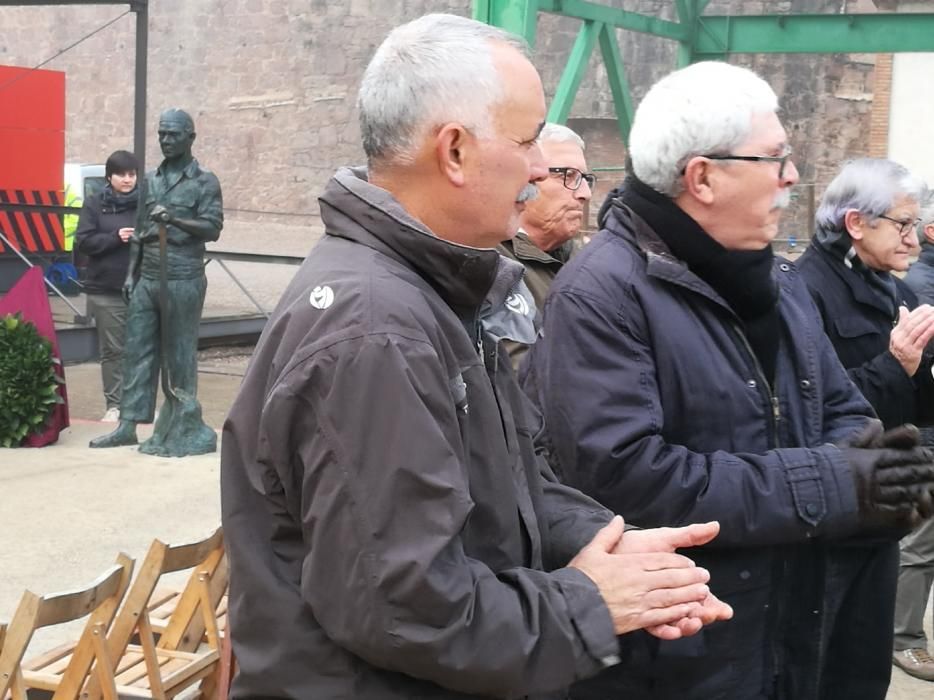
(70, 221)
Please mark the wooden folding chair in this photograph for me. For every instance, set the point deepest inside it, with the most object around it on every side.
(188, 649)
(99, 601)
(165, 600)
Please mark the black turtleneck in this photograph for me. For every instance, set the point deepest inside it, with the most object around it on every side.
(743, 278)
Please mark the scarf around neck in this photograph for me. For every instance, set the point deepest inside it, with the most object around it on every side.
(839, 245)
(743, 278)
(117, 202)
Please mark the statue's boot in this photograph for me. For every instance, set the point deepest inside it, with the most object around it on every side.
(125, 434)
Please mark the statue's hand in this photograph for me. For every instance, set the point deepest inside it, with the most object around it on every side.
(127, 289)
(160, 215)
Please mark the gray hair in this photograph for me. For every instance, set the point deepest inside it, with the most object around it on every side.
(706, 108)
(435, 69)
(927, 209)
(868, 185)
(558, 133)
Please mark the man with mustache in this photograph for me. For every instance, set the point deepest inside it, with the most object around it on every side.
(552, 219)
(684, 374)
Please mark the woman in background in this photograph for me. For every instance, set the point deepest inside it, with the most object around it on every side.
(104, 229)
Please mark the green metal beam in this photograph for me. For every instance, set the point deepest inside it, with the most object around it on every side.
(868, 33)
(574, 72)
(616, 76)
(687, 13)
(633, 21)
(516, 16)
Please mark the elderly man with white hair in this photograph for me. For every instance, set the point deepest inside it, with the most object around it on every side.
(683, 375)
(551, 220)
(391, 532)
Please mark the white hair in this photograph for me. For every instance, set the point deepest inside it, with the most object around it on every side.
(868, 185)
(704, 109)
(558, 133)
(435, 69)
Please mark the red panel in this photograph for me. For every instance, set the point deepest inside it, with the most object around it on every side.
(32, 129)
(32, 99)
(32, 159)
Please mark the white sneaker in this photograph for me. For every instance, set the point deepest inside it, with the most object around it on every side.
(111, 416)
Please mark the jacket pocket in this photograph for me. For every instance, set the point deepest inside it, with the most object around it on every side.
(855, 326)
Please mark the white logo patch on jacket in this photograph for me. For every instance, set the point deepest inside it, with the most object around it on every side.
(517, 304)
(321, 297)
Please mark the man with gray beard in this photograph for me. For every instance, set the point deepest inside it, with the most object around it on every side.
(684, 374)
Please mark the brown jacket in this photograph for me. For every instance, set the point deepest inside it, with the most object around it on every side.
(391, 532)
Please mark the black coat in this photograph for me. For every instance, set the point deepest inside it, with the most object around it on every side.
(656, 406)
(96, 237)
(858, 324)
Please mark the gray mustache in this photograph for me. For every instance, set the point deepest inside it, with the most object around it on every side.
(528, 193)
(782, 200)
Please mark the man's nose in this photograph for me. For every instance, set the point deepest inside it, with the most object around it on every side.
(791, 174)
(583, 193)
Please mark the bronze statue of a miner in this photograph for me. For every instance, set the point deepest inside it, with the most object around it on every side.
(180, 211)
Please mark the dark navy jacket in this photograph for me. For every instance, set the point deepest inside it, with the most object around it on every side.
(859, 324)
(655, 404)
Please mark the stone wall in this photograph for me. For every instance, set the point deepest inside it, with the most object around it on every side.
(272, 83)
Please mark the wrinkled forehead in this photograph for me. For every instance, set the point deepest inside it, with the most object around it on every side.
(175, 125)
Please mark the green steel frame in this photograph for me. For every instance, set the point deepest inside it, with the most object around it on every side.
(701, 37)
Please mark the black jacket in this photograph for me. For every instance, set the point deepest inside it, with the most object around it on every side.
(96, 238)
(388, 524)
(859, 324)
(655, 405)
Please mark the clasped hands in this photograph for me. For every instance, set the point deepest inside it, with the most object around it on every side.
(645, 585)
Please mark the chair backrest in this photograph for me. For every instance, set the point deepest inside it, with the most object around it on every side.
(99, 601)
(201, 593)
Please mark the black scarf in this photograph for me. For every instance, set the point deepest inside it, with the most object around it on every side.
(743, 278)
(113, 202)
(839, 245)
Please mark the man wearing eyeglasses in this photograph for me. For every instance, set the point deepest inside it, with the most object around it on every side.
(867, 230)
(550, 222)
(683, 372)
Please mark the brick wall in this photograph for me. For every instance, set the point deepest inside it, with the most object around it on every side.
(271, 85)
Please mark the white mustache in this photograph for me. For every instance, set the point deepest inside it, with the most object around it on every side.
(528, 193)
(782, 200)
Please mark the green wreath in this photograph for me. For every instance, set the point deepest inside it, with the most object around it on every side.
(28, 380)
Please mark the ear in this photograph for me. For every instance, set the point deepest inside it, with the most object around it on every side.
(697, 183)
(453, 144)
(854, 222)
(929, 232)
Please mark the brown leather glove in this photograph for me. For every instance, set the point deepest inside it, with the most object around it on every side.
(894, 476)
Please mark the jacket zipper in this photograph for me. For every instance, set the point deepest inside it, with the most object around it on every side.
(776, 416)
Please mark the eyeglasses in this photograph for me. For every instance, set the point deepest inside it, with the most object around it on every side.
(904, 226)
(574, 177)
(782, 159)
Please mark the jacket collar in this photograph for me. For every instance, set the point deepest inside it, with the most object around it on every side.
(855, 282)
(662, 264)
(354, 209)
(523, 248)
(191, 171)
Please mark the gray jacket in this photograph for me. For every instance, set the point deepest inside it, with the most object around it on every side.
(391, 532)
